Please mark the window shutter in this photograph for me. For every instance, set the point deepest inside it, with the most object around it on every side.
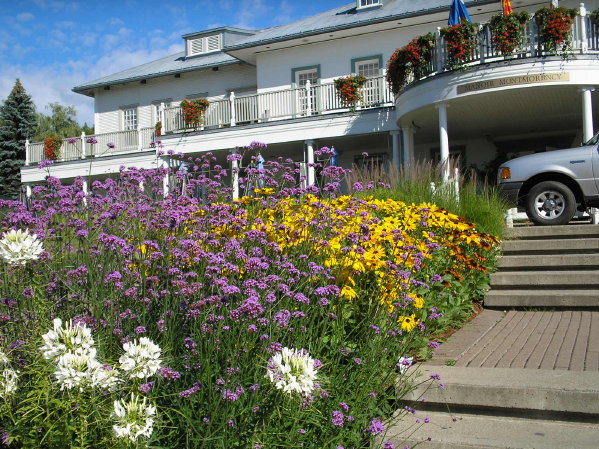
(197, 46)
(213, 43)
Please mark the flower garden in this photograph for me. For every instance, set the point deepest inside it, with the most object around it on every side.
(287, 318)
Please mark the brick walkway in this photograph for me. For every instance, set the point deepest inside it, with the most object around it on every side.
(556, 340)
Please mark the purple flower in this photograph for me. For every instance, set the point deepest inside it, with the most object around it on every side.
(337, 418)
(91, 140)
(388, 445)
(302, 431)
(147, 387)
(358, 361)
(344, 406)
(169, 373)
(111, 145)
(72, 140)
(376, 427)
(435, 376)
(140, 330)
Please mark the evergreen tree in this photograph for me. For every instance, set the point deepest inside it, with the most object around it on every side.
(18, 119)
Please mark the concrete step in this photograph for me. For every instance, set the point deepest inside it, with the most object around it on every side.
(545, 262)
(542, 298)
(556, 393)
(546, 279)
(475, 431)
(553, 246)
(551, 232)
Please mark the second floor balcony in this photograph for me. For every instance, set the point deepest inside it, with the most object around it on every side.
(235, 111)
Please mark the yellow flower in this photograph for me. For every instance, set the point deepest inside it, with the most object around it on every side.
(348, 292)
(418, 301)
(408, 322)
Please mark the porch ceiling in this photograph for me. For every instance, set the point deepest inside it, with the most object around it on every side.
(508, 112)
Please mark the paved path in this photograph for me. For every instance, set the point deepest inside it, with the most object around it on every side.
(552, 340)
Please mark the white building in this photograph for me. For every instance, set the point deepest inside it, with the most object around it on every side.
(276, 86)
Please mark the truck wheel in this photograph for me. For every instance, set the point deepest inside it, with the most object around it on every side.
(550, 203)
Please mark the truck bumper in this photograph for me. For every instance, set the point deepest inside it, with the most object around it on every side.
(510, 191)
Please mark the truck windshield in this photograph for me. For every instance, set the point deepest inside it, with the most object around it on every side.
(594, 140)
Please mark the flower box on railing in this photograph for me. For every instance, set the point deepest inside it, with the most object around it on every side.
(507, 31)
(555, 25)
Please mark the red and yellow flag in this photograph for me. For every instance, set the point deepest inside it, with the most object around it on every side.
(507, 7)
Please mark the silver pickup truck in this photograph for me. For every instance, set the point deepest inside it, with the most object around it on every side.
(551, 186)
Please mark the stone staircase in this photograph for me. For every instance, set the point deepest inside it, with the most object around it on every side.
(525, 373)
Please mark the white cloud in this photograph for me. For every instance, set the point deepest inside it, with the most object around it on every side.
(25, 17)
(115, 21)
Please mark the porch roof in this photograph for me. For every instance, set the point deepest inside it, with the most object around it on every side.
(348, 16)
(168, 65)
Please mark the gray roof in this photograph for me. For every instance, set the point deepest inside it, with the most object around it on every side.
(169, 65)
(348, 16)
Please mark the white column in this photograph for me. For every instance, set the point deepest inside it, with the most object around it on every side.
(82, 145)
(84, 188)
(27, 156)
(233, 113)
(407, 144)
(443, 140)
(165, 180)
(439, 60)
(28, 190)
(310, 161)
(395, 143)
(139, 142)
(308, 99)
(584, 41)
(587, 113)
(235, 175)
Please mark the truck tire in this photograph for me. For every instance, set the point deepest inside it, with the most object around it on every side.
(550, 203)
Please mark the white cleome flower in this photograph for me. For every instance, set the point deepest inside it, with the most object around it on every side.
(141, 358)
(292, 371)
(404, 363)
(8, 376)
(75, 339)
(18, 247)
(134, 419)
(105, 378)
(75, 370)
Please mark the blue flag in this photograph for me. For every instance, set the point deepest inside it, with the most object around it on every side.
(458, 12)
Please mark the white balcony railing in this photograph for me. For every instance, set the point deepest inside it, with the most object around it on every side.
(278, 105)
(95, 145)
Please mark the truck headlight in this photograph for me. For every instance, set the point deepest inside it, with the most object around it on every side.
(505, 173)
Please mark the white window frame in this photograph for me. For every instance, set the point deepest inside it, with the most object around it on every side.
(368, 62)
(206, 44)
(362, 4)
(130, 118)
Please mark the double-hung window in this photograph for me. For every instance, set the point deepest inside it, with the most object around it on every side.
(370, 67)
(300, 77)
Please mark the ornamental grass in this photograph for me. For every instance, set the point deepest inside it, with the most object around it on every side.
(289, 318)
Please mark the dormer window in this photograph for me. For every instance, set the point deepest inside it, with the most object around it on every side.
(204, 44)
(368, 3)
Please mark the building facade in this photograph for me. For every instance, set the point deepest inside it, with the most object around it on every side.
(276, 86)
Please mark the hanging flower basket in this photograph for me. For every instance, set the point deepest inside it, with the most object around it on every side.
(349, 90)
(555, 25)
(507, 31)
(193, 112)
(412, 59)
(158, 129)
(52, 147)
(461, 43)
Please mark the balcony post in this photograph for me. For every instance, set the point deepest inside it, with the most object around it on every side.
(235, 174)
(82, 145)
(443, 140)
(309, 145)
(439, 50)
(587, 113)
(165, 180)
(84, 188)
(395, 142)
(482, 40)
(28, 191)
(27, 155)
(584, 41)
(308, 99)
(139, 145)
(233, 112)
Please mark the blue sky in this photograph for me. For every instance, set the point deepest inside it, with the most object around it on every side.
(53, 45)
